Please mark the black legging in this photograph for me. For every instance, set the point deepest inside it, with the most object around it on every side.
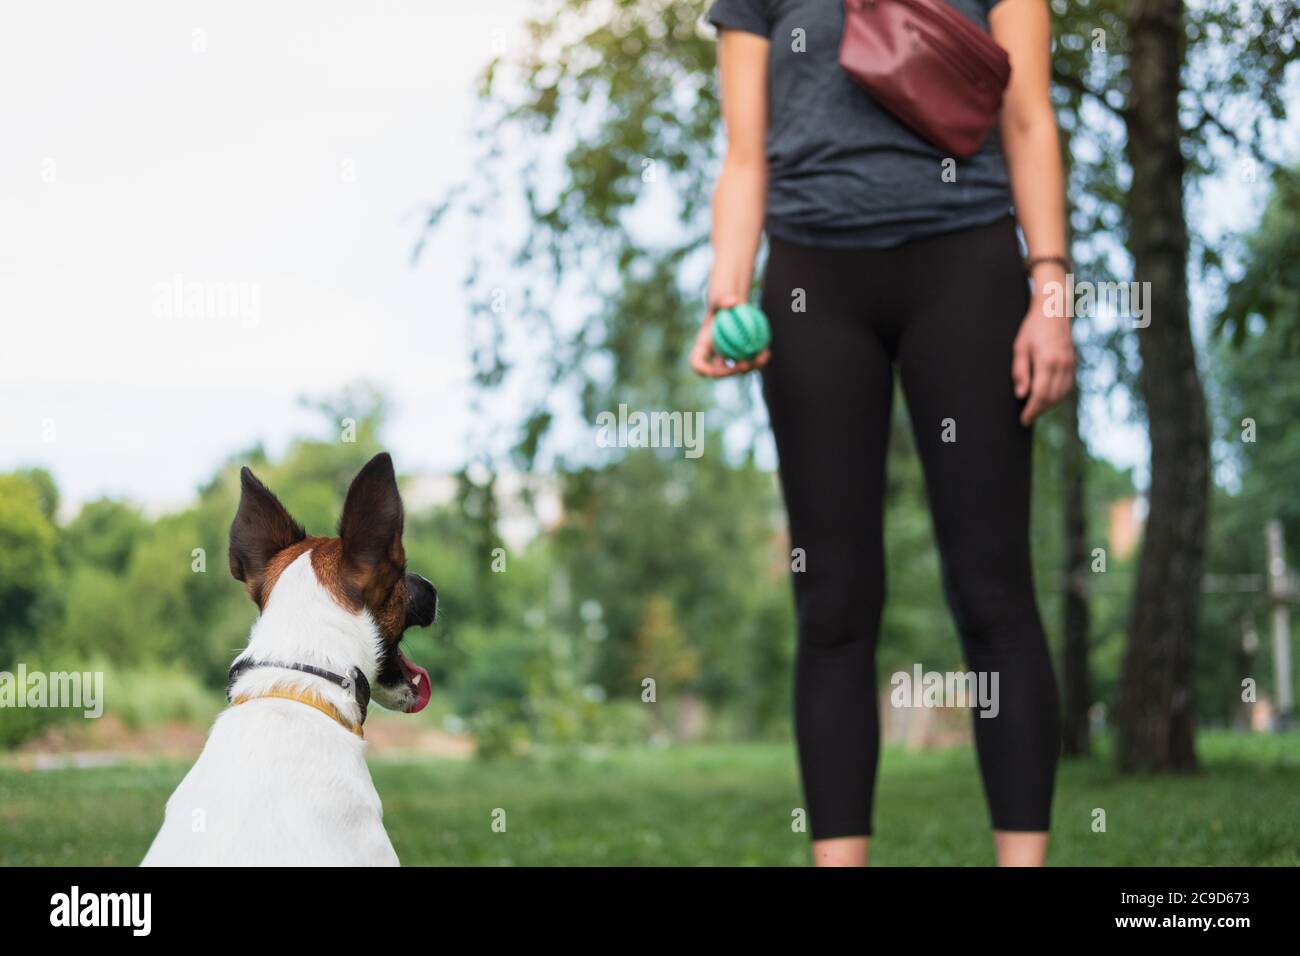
(946, 310)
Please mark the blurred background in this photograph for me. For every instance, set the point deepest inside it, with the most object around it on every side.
(291, 237)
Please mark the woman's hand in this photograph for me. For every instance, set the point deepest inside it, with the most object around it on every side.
(1042, 363)
(707, 362)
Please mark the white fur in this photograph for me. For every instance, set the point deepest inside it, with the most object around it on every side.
(279, 782)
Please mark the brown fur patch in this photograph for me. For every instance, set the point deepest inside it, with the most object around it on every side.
(281, 560)
(386, 601)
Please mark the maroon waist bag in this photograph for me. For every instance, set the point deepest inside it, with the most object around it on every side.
(929, 65)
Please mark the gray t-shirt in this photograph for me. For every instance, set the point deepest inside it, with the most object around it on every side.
(842, 171)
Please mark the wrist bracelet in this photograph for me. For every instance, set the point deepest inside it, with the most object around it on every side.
(1030, 264)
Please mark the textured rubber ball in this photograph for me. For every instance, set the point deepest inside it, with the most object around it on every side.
(741, 332)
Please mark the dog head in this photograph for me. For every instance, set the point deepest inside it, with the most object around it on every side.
(362, 571)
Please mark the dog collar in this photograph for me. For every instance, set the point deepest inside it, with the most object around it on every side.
(308, 698)
(357, 683)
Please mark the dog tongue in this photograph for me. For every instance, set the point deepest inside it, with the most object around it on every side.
(420, 678)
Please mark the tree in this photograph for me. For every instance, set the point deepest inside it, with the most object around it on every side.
(1075, 618)
(1163, 81)
(28, 564)
(104, 534)
(1157, 706)
(1075, 622)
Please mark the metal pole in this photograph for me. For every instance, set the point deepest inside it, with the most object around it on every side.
(1280, 594)
(1246, 661)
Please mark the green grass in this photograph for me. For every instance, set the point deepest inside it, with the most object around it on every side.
(715, 805)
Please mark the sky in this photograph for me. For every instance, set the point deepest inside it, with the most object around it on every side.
(207, 210)
(269, 161)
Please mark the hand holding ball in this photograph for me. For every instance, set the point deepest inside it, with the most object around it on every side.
(741, 332)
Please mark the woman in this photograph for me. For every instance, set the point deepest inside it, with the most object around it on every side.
(879, 257)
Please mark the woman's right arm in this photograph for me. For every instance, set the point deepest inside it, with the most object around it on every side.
(740, 196)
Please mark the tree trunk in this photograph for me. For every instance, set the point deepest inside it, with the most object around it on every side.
(1075, 619)
(1156, 711)
(1074, 664)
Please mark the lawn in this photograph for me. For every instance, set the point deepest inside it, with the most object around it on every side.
(714, 805)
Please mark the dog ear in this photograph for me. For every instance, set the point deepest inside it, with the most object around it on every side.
(371, 527)
(261, 529)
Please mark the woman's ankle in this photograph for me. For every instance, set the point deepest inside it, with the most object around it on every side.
(842, 851)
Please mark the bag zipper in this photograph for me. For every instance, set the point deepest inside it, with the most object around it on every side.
(950, 57)
(974, 35)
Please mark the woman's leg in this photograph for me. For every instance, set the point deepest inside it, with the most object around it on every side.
(828, 389)
(955, 363)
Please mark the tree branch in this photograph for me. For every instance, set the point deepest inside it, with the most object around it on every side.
(1072, 82)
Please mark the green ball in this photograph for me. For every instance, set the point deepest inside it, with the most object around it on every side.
(741, 332)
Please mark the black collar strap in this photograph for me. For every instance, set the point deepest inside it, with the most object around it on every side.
(357, 683)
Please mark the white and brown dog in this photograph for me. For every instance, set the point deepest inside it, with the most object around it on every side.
(283, 777)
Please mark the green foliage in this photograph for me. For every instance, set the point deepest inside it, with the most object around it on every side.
(46, 487)
(1256, 406)
(682, 566)
(20, 723)
(158, 693)
(104, 535)
(1268, 291)
(29, 569)
(605, 113)
(1110, 574)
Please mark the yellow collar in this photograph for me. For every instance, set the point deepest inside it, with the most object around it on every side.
(311, 699)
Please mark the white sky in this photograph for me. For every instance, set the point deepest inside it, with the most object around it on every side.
(289, 160)
(283, 151)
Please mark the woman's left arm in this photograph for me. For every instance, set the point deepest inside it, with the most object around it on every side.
(1042, 366)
